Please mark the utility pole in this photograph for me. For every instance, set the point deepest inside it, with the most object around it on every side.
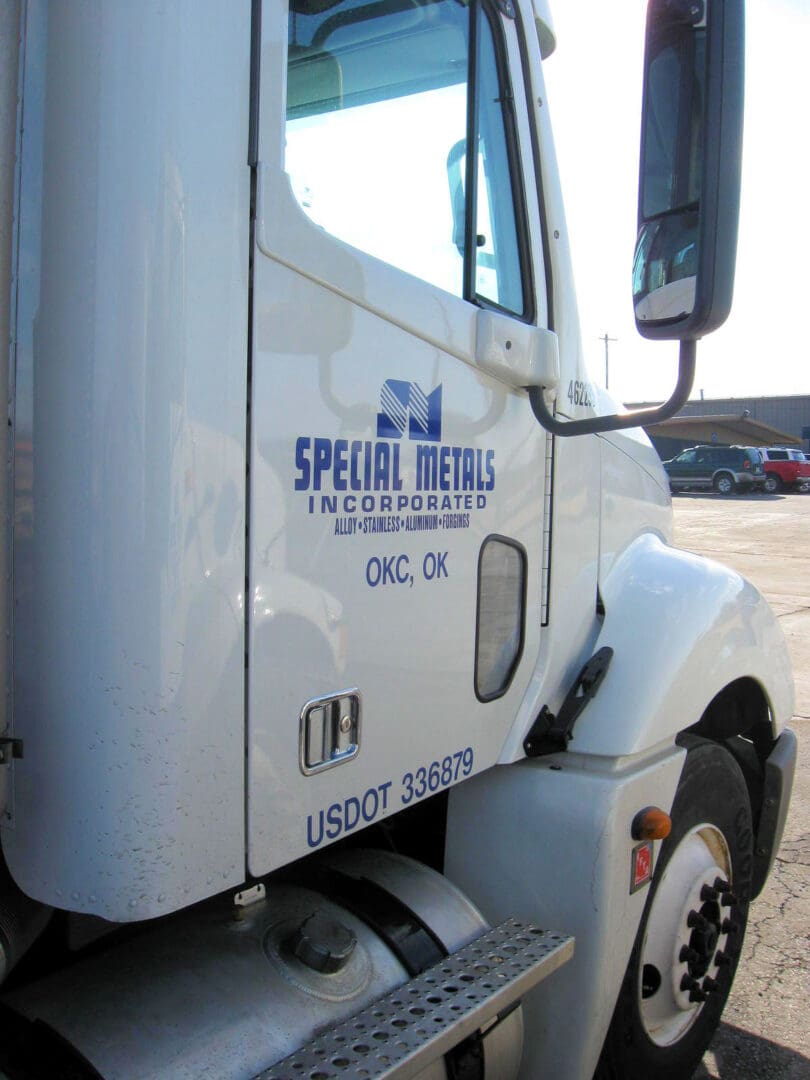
(606, 339)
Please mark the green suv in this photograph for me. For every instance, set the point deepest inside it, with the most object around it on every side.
(724, 469)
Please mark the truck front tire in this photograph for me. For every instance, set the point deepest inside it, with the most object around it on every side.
(689, 942)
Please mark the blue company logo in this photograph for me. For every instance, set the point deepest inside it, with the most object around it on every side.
(404, 402)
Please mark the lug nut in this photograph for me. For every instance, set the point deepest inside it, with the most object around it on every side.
(721, 885)
(688, 956)
(710, 985)
(729, 927)
(696, 921)
(697, 995)
(728, 900)
(707, 893)
(721, 959)
(688, 983)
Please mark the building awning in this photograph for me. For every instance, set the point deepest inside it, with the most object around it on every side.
(723, 428)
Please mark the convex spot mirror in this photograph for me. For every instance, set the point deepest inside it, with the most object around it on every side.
(689, 184)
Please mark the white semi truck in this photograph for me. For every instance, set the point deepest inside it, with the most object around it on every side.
(361, 719)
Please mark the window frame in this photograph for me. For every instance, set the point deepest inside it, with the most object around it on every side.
(495, 16)
(484, 14)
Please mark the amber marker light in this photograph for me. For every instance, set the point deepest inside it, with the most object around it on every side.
(651, 824)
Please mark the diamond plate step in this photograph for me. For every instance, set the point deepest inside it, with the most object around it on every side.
(404, 1032)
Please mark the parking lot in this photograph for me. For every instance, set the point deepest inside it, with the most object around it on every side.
(766, 1029)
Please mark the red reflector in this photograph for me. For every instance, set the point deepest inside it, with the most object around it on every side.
(641, 865)
(746, 464)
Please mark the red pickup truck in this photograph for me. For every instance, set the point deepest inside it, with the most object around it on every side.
(785, 470)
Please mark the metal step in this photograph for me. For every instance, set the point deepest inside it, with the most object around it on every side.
(420, 1021)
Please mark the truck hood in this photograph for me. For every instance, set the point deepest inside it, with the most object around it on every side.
(633, 442)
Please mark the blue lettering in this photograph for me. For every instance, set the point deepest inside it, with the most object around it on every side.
(341, 463)
(354, 472)
(376, 466)
(322, 461)
(490, 467)
(456, 452)
(381, 466)
(444, 468)
(354, 805)
(434, 565)
(310, 839)
(468, 471)
(369, 815)
(427, 468)
(342, 817)
(388, 570)
(333, 817)
(302, 463)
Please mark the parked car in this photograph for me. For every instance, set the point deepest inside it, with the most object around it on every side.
(785, 469)
(724, 469)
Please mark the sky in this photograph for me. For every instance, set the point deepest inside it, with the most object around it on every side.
(593, 83)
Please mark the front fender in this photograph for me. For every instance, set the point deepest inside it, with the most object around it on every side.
(682, 628)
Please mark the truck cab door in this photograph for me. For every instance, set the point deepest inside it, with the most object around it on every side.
(398, 479)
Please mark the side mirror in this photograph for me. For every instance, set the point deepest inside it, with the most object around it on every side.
(689, 191)
(689, 184)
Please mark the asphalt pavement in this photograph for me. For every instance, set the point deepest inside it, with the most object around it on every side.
(766, 1030)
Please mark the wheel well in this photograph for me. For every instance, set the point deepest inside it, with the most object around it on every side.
(739, 719)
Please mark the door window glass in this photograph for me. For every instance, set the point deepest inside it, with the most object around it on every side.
(383, 102)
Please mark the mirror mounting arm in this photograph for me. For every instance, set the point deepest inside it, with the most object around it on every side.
(595, 425)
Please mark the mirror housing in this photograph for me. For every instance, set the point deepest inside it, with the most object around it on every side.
(689, 182)
(689, 192)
